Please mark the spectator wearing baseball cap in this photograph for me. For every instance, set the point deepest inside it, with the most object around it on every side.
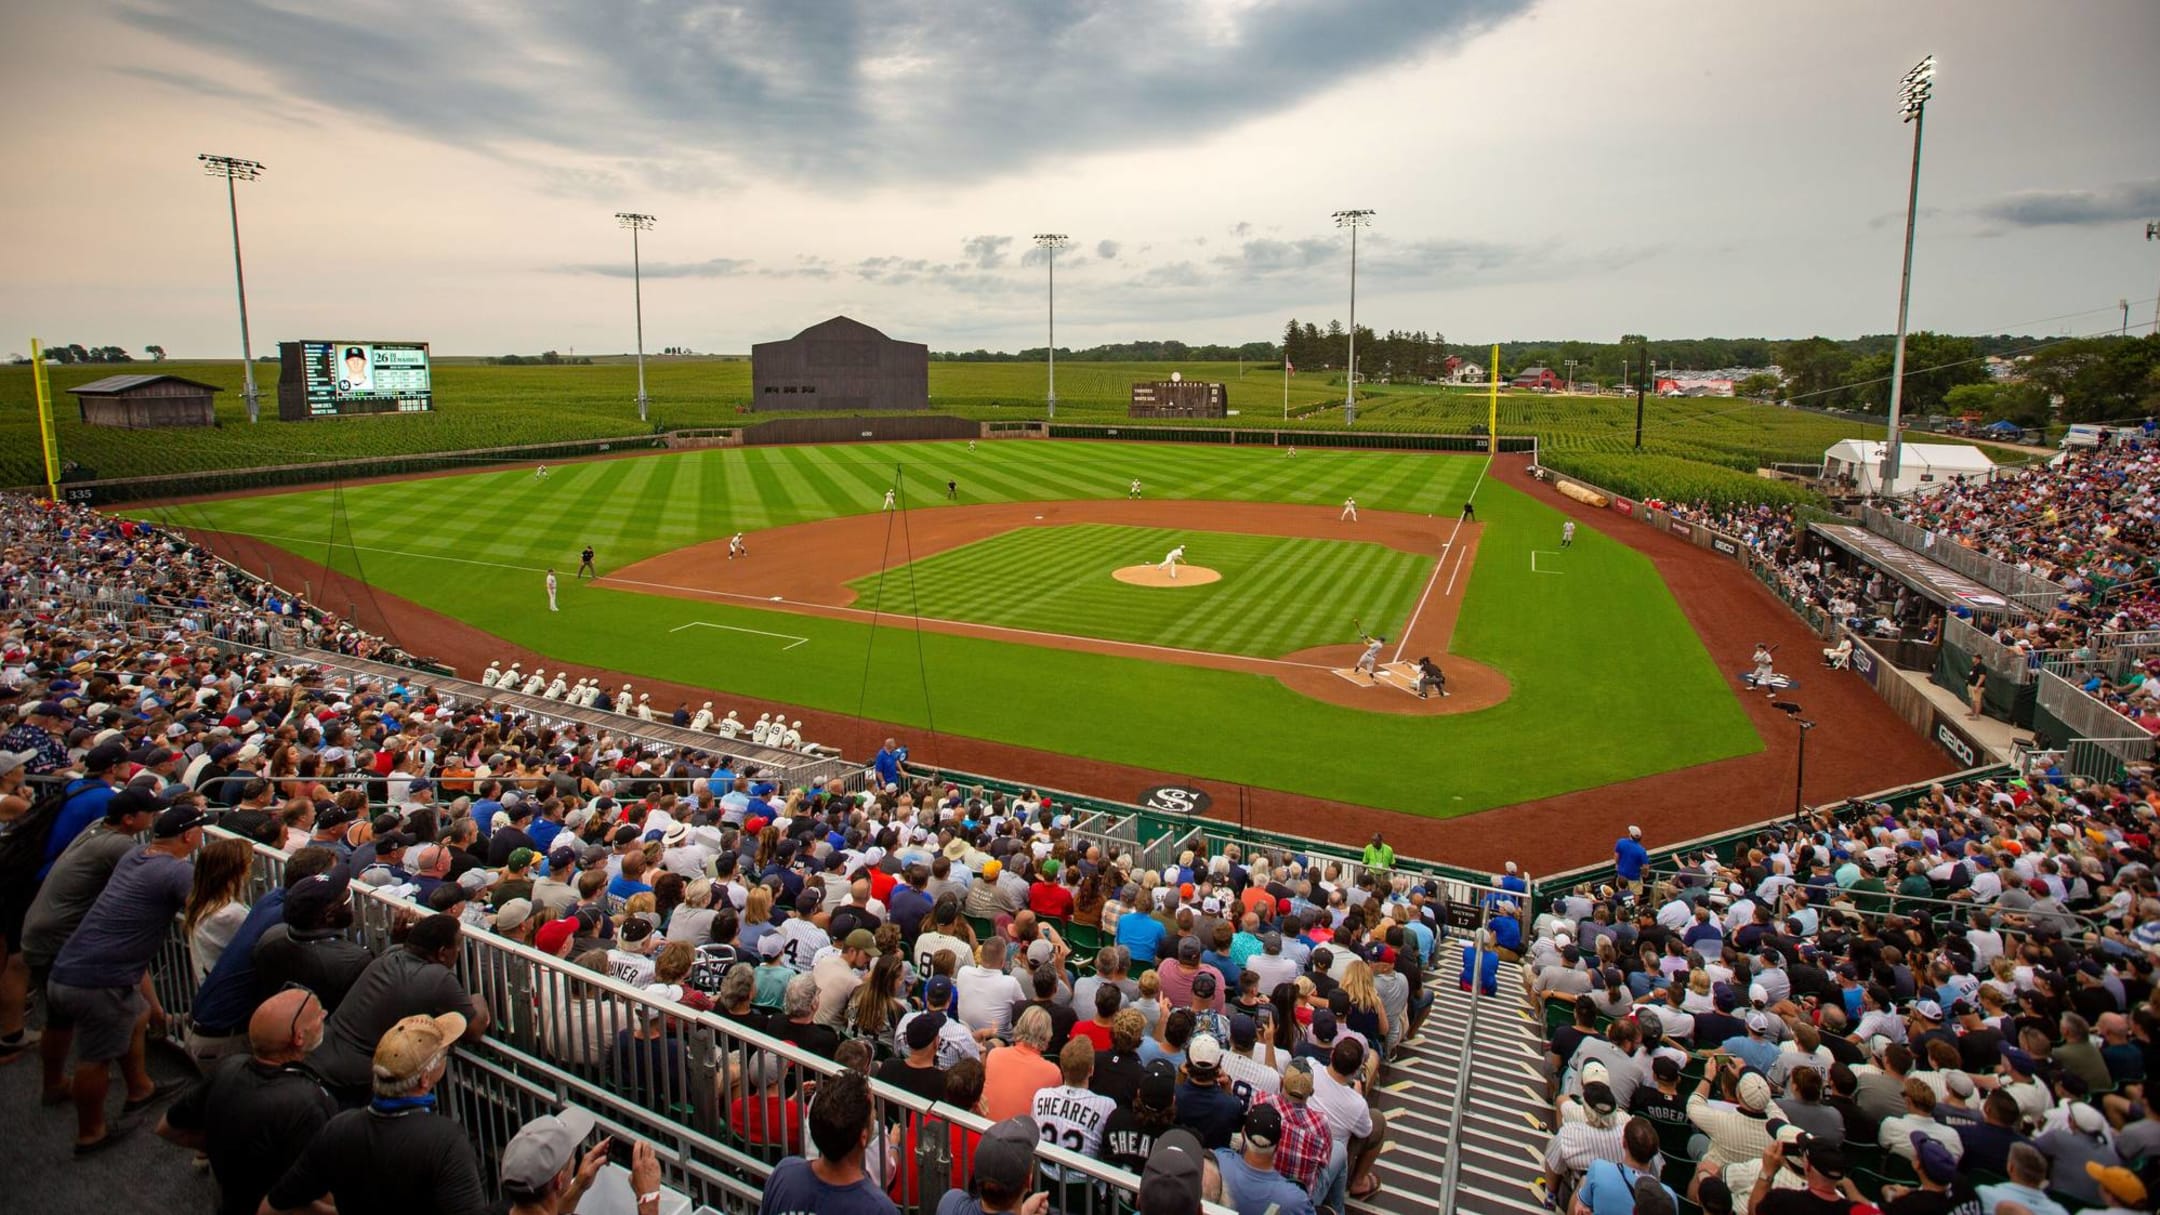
(309, 947)
(917, 1071)
(1175, 1175)
(1251, 1182)
(544, 1173)
(1003, 1172)
(1205, 1103)
(411, 980)
(834, 1182)
(399, 1153)
(82, 800)
(94, 1000)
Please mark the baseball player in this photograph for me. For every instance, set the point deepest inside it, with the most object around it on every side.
(730, 726)
(1567, 534)
(1291, 454)
(534, 682)
(703, 720)
(791, 738)
(1133, 491)
(540, 473)
(510, 679)
(736, 547)
(971, 445)
(1430, 676)
(644, 706)
(1170, 560)
(1763, 659)
(493, 675)
(1369, 661)
(952, 490)
(585, 566)
(890, 500)
(761, 733)
(1349, 509)
(551, 591)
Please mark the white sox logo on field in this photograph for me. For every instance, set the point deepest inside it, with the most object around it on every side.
(1175, 799)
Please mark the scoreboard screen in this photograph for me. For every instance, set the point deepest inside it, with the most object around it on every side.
(326, 379)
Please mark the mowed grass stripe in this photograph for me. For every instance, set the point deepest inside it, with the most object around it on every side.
(814, 485)
(1277, 594)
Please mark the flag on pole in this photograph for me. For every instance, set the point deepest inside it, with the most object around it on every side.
(1287, 367)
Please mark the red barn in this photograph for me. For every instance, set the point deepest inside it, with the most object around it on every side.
(1544, 379)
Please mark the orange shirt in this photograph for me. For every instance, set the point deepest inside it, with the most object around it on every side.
(1011, 1076)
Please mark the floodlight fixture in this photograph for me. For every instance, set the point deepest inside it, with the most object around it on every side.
(1913, 94)
(1050, 243)
(1353, 219)
(637, 221)
(234, 169)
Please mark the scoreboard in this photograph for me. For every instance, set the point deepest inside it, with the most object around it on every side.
(1178, 398)
(325, 379)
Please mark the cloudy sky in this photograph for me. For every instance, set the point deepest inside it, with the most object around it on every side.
(1540, 168)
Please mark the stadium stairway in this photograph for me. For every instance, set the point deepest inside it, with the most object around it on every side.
(1502, 1138)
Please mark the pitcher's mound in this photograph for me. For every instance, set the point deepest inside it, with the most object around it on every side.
(1152, 575)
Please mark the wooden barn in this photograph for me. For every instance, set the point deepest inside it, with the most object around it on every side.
(147, 402)
(839, 364)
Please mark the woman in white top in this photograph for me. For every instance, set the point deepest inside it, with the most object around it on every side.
(214, 907)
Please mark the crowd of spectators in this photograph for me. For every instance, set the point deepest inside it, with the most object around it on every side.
(1219, 1020)
(1943, 1008)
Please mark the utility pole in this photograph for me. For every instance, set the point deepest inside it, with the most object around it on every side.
(1051, 242)
(1913, 96)
(234, 169)
(2124, 304)
(1571, 377)
(1640, 385)
(1352, 220)
(637, 222)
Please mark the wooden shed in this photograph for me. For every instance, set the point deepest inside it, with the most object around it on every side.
(147, 402)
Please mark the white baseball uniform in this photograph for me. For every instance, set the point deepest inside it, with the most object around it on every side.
(1170, 560)
(551, 591)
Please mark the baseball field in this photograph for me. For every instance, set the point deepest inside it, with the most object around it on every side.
(987, 605)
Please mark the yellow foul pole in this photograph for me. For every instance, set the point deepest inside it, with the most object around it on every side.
(45, 422)
(1492, 425)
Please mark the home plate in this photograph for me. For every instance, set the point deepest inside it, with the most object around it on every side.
(1402, 675)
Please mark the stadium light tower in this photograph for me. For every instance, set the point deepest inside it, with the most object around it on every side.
(234, 169)
(2152, 233)
(1352, 220)
(1913, 94)
(637, 223)
(1051, 242)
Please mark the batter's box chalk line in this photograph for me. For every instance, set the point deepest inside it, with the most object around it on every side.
(1543, 552)
(791, 639)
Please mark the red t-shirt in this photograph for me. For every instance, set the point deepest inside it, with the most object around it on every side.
(1050, 899)
(1094, 1031)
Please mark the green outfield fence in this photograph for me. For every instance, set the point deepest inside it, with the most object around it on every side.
(1229, 436)
(237, 480)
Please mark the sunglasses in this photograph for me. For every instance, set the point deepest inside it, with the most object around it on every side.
(293, 1031)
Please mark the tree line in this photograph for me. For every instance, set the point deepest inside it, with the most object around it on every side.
(1123, 352)
(76, 352)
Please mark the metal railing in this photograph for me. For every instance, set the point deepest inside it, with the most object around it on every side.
(2029, 590)
(2089, 719)
(721, 1103)
(1880, 903)
(2005, 663)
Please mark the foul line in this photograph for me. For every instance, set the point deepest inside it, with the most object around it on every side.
(790, 638)
(1403, 641)
(394, 552)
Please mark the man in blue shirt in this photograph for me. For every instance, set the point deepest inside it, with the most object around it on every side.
(1250, 1180)
(1629, 856)
(86, 800)
(890, 759)
(1140, 935)
(1753, 1048)
(1608, 1188)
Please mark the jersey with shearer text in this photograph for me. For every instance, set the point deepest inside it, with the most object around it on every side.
(1072, 1118)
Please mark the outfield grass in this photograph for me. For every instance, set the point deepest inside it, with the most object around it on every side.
(1278, 594)
(1609, 681)
(486, 406)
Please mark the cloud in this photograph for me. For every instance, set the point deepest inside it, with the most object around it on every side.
(844, 90)
(2129, 200)
(1107, 249)
(986, 252)
(1241, 229)
(716, 267)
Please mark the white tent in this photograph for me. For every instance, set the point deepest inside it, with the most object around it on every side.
(1922, 467)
